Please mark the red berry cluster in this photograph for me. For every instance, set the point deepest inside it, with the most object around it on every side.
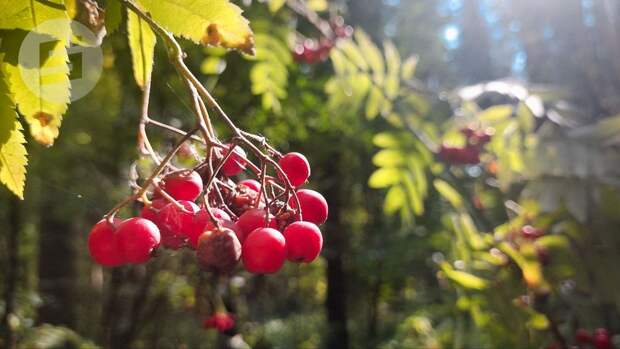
(245, 223)
(584, 339)
(221, 321)
(312, 51)
(470, 153)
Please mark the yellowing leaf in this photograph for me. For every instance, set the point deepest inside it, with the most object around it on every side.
(211, 22)
(394, 199)
(464, 279)
(40, 87)
(449, 193)
(142, 42)
(409, 67)
(384, 177)
(12, 151)
(495, 114)
(27, 15)
(374, 102)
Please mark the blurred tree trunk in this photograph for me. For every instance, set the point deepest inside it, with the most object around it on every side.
(58, 280)
(12, 271)
(335, 241)
(474, 55)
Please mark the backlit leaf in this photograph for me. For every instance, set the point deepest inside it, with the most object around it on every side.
(448, 193)
(464, 279)
(210, 22)
(40, 88)
(142, 42)
(27, 15)
(12, 151)
(384, 177)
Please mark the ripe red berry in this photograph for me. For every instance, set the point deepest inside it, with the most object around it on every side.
(313, 206)
(152, 212)
(303, 241)
(601, 339)
(202, 222)
(137, 238)
(253, 219)
(583, 336)
(264, 251)
(183, 185)
(251, 184)
(179, 221)
(296, 168)
(219, 249)
(102, 244)
(235, 163)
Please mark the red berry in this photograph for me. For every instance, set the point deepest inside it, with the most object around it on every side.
(313, 206)
(219, 249)
(102, 244)
(183, 185)
(264, 251)
(137, 238)
(251, 184)
(601, 339)
(202, 222)
(303, 241)
(179, 221)
(583, 336)
(220, 321)
(235, 163)
(253, 219)
(531, 233)
(152, 212)
(296, 168)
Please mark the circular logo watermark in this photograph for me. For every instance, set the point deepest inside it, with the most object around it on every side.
(54, 50)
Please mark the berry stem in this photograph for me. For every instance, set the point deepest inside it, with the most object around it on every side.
(149, 181)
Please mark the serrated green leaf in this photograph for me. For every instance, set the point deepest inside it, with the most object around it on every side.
(210, 22)
(142, 42)
(28, 15)
(275, 5)
(464, 279)
(374, 102)
(113, 16)
(384, 177)
(13, 156)
(41, 90)
(394, 199)
(449, 193)
(409, 68)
